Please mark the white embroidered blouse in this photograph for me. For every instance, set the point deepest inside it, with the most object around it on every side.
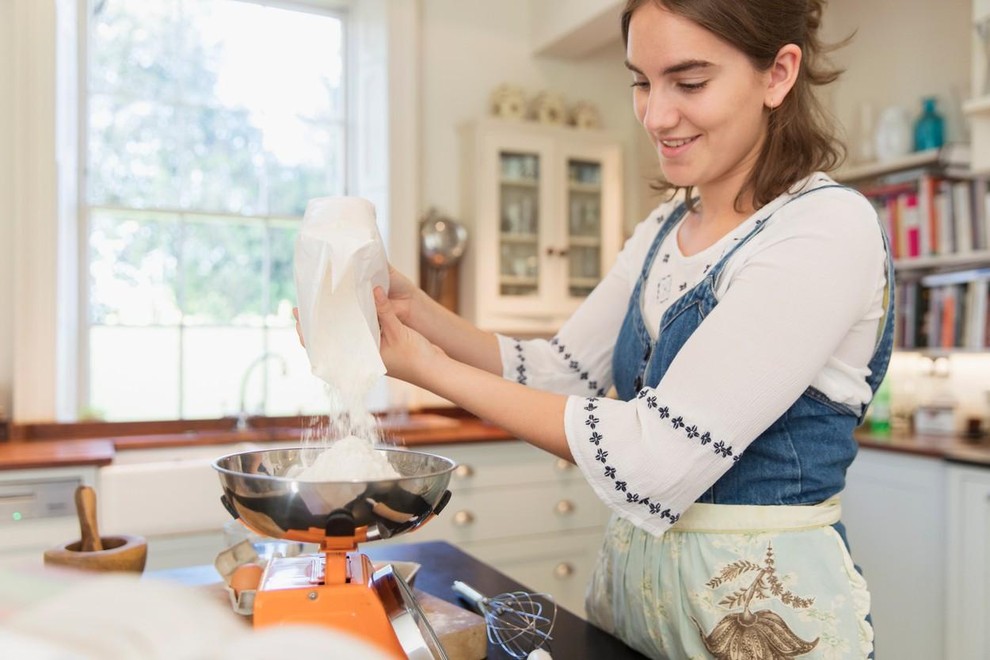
(798, 305)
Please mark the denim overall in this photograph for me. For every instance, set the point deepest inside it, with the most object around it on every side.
(803, 456)
(801, 459)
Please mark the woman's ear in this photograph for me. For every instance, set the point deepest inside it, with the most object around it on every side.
(783, 74)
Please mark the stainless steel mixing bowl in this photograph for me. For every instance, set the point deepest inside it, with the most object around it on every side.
(259, 488)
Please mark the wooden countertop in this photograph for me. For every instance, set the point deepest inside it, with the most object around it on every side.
(952, 448)
(412, 431)
(418, 429)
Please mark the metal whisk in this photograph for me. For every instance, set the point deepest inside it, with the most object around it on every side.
(518, 621)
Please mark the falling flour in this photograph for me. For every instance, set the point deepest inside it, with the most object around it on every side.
(349, 459)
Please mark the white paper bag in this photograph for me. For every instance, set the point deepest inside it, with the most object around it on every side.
(339, 259)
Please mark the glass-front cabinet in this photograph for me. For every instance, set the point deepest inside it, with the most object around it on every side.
(543, 205)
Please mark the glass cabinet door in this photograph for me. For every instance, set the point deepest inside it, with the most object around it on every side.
(519, 226)
(584, 226)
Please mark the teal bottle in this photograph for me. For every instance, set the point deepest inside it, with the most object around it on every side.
(929, 129)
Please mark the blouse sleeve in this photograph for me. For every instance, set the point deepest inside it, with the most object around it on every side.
(578, 359)
(774, 328)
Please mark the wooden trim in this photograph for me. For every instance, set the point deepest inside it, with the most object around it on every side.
(41, 431)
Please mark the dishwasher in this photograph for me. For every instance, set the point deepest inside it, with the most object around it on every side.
(38, 511)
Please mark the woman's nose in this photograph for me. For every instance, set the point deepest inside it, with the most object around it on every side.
(658, 114)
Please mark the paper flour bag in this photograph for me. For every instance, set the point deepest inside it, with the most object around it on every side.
(339, 259)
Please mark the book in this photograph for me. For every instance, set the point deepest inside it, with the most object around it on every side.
(956, 277)
(962, 215)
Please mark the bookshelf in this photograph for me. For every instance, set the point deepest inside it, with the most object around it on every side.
(936, 212)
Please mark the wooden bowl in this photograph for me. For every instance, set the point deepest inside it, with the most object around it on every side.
(120, 553)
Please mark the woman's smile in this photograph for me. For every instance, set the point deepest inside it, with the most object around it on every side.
(674, 147)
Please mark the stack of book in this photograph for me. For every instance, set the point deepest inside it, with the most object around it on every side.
(934, 215)
(945, 311)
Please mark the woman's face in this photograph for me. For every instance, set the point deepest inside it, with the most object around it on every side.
(700, 99)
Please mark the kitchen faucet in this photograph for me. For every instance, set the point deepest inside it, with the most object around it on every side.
(242, 413)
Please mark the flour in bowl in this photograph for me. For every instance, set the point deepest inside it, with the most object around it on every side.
(349, 459)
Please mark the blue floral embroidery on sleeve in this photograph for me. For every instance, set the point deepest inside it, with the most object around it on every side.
(576, 368)
(691, 431)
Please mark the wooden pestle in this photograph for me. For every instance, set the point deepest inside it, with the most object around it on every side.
(86, 510)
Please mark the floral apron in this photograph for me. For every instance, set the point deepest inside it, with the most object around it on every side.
(758, 568)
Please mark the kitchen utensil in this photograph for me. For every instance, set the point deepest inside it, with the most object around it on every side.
(94, 552)
(520, 622)
(86, 510)
(338, 587)
(443, 242)
(416, 635)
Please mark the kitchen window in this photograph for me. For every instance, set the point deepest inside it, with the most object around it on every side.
(206, 127)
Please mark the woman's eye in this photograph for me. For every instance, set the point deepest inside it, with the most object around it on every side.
(640, 84)
(692, 87)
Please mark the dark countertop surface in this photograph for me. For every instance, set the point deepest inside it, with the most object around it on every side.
(442, 563)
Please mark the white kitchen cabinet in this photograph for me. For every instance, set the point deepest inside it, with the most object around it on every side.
(968, 636)
(893, 507)
(543, 205)
(525, 512)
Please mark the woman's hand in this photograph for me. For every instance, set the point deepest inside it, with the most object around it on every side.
(405, 352)
(401, 292)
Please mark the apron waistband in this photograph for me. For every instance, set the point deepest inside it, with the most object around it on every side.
(747, 518)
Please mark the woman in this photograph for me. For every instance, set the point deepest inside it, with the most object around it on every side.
(744, 332)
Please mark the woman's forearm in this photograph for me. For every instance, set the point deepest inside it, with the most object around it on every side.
(459, 338)
(531, 415)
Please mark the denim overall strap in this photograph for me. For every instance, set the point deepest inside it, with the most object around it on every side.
(634, 343)
(885, 330)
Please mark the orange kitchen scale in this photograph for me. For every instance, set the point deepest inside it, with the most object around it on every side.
(338, 587)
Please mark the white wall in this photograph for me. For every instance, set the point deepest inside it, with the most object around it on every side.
(903, 50)
(6, 204)
(469, 47)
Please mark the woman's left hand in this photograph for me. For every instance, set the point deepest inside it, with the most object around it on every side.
(405, 352)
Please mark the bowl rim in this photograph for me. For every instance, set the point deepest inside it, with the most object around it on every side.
(451, 466)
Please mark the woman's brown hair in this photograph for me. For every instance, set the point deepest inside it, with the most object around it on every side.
(801, 135)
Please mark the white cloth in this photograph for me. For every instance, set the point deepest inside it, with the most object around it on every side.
(799, 305)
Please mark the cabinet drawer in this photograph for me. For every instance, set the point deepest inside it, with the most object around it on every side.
(487, 513)
(560, 564)
(503, 463)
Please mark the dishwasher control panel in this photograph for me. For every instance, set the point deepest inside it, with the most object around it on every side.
(37, 498)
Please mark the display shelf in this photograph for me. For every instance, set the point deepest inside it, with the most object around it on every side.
(520, 183)
(977, 107)
(966, 259)
(951, 155)
(515, 237)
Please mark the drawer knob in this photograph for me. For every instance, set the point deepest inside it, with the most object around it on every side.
(463, 471)
(563, 570)
(463, 518)
(563, 465)
(564, 508)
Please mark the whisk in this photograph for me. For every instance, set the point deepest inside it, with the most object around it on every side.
(520, 622)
